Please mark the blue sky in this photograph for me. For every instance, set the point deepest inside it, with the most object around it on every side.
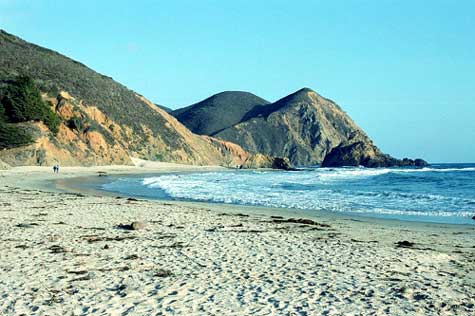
(403, 70)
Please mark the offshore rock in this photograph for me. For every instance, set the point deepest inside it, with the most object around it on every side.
(364, 154)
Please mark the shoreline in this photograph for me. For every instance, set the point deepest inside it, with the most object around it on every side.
(40, 178)
(64, 252)
(72, 184)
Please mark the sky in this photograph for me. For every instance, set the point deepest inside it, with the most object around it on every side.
(403, 70)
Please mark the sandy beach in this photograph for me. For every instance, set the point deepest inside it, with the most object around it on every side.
(69, 253)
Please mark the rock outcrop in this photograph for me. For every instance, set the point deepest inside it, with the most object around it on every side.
(360, 153)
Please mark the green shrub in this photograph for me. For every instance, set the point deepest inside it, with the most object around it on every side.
(53, 121)
(53, 91)
(22, 102)
(12, 136)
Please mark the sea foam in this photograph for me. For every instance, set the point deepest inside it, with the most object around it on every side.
(421, 192)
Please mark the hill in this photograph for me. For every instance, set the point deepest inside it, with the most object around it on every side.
(303, 127)
(218, 112)
(101, 121)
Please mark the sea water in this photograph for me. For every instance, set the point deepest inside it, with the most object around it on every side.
(439, 193)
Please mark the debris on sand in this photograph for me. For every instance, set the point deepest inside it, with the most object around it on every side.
(23, 225)
(162, 273)
(404, 244)
(132, 226)
(57, 249)
(303, 221)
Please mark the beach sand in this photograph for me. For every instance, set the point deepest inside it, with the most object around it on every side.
(65, 253)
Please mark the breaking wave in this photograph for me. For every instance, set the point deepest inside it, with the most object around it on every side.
(439, 191)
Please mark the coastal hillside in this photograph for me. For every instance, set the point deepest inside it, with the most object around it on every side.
(218, 112)
(88, 118)
(304, 127)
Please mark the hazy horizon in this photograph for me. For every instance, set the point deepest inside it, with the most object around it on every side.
(402, 71)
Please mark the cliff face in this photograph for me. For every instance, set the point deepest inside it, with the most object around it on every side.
(87, 136)
(102, 122)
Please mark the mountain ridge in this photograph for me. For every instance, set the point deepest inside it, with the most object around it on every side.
(304, 127)
(102, 121)
(221, 110)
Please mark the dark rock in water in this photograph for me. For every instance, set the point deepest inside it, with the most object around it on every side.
(407, 162)
(473, 218)
(362, 153)
(132, 226)
(404, 244)
(281, 163)
(420, 163)
(106, 247)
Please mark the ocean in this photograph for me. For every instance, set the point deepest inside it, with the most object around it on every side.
(440, 193)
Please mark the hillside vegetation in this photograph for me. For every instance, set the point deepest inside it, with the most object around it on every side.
(63, 111)
(21, 101)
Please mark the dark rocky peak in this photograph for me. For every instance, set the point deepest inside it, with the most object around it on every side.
(218, 112)
(227, 99)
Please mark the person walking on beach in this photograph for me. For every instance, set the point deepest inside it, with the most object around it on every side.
(57, 168)
(54, 169)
